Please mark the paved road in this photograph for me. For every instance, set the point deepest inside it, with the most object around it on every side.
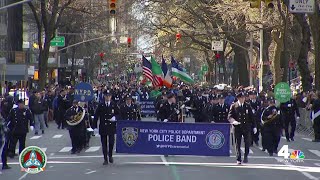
(88, 164)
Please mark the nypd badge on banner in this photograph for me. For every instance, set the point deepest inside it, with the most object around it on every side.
(137, 137)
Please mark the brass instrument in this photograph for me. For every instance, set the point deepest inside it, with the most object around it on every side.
(273, 117)
(76, 119)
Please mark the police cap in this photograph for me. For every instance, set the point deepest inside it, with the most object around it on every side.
(107, 93)
(171, 95)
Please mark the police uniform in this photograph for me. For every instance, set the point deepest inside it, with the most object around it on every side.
(255, 105)
(263, 106)
(18, 126)
(222, 111)
(316, 119)
(129, 111)
(199, 103)
(77, 132)
(107, 113)
(288, 112)
(272, 126)
(169, 112)
(241, 116)
(211, 110)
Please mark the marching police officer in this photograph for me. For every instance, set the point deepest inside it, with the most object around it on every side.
(169, 110)
(272, 126)
(264, 105)
(18, 123)
(77, 132)
(199, 103)
(222, 110)
(211, 109)
(106, 112)
(288, 112)
(241, 116)
(315, 115)
(255, 105)
(129, 110)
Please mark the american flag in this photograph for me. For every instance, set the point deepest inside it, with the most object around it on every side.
(146, 66)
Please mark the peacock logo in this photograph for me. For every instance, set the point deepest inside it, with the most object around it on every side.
(297, 154)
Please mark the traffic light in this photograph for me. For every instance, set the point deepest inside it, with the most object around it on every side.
(255, 3)
(270, 3)
(178, 37)
(129, 42)
(112, 6)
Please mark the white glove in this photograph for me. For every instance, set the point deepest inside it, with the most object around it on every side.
(92, 117)
(183, 106)
(298, 118)
(166, 120)
(236, 123)
(255, 130)
(113, 119)
(90, 129)
(213, 122)
(31, 128)
(96, 131)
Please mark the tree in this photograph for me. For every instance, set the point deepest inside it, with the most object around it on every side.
(47, 19)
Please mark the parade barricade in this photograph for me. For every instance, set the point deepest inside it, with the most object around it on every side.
(137, 137)
(147, 107)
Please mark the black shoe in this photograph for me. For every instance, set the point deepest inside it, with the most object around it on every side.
(36, 133)
(6, 167)
(239, 162)
(73, 152)
(110, 159)
(59, 127)
(245, 160)
(257, 143)
(42, 131)
(288, 140)
(270, 154)
(292, 139)
(105, 163)
(263, 149)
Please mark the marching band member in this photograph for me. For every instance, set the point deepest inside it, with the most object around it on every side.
(76, 132)
(169, 110)
(106, 112)
(129, 110)
(272, 127)
(241, 116)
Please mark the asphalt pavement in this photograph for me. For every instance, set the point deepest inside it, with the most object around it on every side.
(88, 164)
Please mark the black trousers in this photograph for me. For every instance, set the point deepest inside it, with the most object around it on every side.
(263, 141)
(107, 151)
(14, 139)
(316, 128)
(77, 139)
(246, 133)
(290, 121)
(272, 138)
(5, 149)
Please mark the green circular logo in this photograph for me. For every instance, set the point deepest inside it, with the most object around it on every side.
(33, 160)
(282, 92)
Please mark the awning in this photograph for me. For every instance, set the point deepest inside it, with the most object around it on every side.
(16, 72)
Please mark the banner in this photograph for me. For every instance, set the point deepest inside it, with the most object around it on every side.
(83, 92)
(137, 137)
(147, 107)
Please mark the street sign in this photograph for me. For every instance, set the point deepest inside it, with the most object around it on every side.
(83, 92)
(301, 6)
(282, 92)
(31, 70)
(204, 68)
(217, 45)
(58, 41)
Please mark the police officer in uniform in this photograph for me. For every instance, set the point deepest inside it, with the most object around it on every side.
(241, 116)
(272, 126)
(77, 132)
(199, 103)
(106, 112)
(264, 105)
(288, 112)
(222, 110)
(129, 110)
(315, 116)
(255, 105)
(169, 110)
(211, 109)
(19, 122)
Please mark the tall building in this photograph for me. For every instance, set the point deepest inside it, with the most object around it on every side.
(3, 29)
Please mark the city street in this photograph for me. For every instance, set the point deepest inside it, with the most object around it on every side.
(88, 164)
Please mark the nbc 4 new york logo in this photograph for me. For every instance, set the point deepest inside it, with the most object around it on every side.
(294, 156)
